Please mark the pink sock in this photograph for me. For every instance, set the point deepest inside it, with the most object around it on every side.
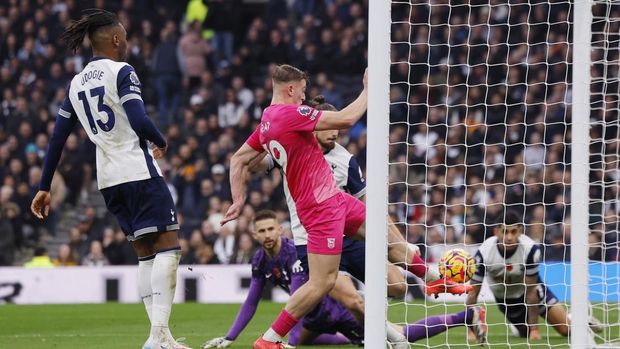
(284, 323)
(417, 267)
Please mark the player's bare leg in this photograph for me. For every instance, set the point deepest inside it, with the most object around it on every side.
(397, 284)
(323, 275)
(159, 256)
(402, 254)
(557, 316)
(345, 293)
(322, 278)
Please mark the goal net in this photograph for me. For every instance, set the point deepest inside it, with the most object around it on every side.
(604, 173)
(481, 124)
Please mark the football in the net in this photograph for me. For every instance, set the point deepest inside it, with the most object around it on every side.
(457, 265)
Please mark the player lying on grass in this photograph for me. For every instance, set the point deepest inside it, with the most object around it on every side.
(510, 262)
(277, 263)
(106, 99)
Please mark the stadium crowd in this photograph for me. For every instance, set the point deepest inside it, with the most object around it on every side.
(478, 118)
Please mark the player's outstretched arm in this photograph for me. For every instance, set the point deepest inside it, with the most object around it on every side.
(247, 311)
(65, 121)
(347, 117)
(472, 296)
(239, 172)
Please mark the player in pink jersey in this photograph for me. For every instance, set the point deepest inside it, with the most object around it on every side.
(286, 132)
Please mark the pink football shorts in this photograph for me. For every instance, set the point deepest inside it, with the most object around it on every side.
(339, 216)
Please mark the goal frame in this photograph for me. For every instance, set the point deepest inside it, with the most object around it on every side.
(580, 168)
(379, 29)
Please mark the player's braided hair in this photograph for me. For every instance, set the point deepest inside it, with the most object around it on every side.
(319, 103)
(91, 21)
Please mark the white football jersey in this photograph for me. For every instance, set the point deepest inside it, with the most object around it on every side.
(97, 95)
(506, 276)
(348, 177)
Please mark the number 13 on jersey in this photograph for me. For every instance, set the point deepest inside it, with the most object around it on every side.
(97, 92)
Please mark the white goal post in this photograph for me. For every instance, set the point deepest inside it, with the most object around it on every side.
(377, 173)
(580, 184)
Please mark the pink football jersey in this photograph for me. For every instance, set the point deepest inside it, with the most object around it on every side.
(285, 132)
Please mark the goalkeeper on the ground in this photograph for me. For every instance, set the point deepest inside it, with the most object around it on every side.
(276, 262)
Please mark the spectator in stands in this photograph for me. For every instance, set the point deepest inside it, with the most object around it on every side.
(276, 50)
(167, 73)
(11, 214)
(79, 243)
(449, 108)
(65, 257)
(208, 232)
(186, 252)
(194, 52)
(7, 240)
(95, 256)
(221, 185)
(556, 248)
(243, 94)
(72, 168)
(117, 249)
(90, 224)
(206, 255)
(224, 246)
(30, 227)
(222, 18)
(40, 259)
(230, 112)
(244, 250)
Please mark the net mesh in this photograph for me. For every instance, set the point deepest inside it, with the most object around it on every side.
(604, 169)
(480, 115)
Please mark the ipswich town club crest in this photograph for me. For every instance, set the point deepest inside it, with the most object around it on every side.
(331, 243)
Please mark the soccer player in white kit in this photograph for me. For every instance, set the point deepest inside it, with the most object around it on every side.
(509, 261)
(106, 99)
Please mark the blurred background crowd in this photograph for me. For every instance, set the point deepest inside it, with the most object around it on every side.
(478, 119)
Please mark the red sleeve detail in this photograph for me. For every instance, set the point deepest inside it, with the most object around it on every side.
(254, 141)
(302, 117)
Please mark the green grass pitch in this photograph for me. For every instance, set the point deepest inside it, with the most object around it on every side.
(125, 326)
